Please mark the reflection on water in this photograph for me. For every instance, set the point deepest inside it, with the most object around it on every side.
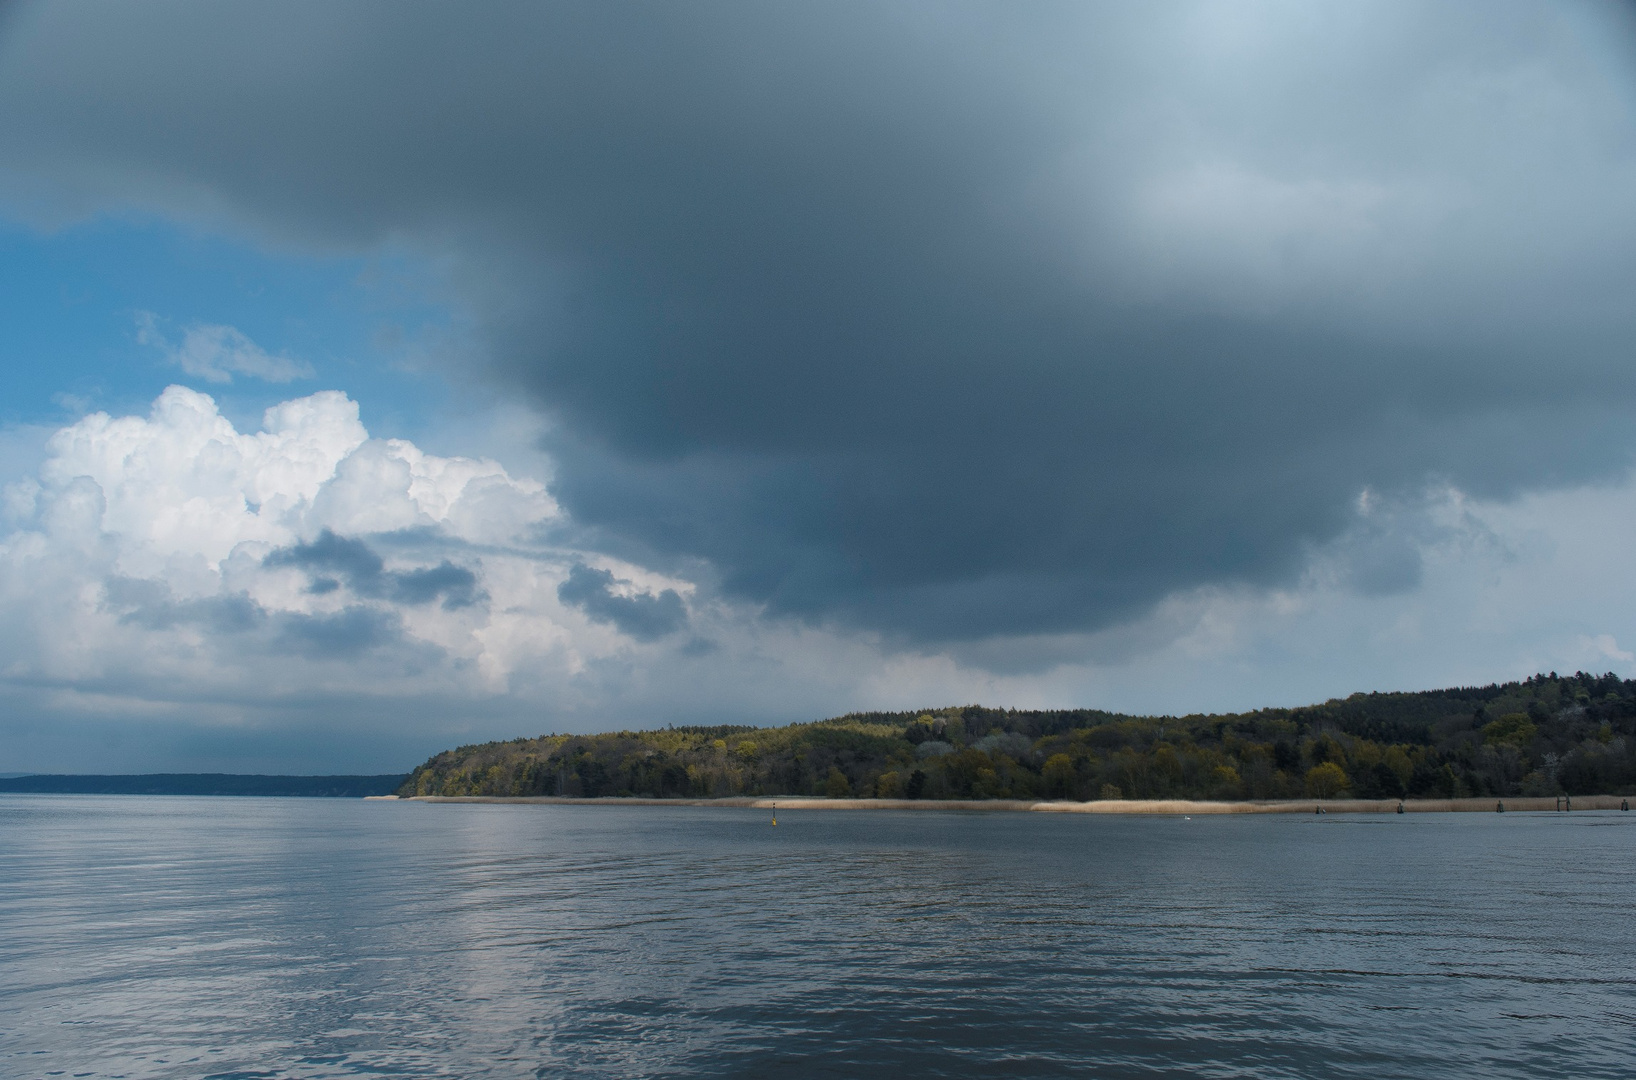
(149, 937)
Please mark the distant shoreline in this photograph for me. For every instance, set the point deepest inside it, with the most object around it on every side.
(334, 786)
(1101, 806)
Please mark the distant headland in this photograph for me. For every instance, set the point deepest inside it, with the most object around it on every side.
(1531, 742)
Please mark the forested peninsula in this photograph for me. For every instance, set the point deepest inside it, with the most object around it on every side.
(1544, 736)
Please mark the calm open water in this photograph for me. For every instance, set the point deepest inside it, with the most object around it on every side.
(196, 937)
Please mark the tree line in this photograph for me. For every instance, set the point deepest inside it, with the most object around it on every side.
(1545, 735)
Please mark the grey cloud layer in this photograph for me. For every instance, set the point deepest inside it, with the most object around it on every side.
(951, 320)
(365, 573)
(645, 616)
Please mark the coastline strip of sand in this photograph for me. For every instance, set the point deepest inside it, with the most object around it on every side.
(1101, 806)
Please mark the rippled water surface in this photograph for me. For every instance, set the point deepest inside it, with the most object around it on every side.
(150, 937)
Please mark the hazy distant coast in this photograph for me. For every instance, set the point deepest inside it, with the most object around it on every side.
(245, 784)
(1101, 806)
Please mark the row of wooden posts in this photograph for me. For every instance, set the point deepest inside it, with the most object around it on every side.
(1564, 803)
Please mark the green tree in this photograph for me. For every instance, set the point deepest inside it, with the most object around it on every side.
(1326, 781)
(1396, 760)
(1059, 776)
(889, 785)
(837, 786)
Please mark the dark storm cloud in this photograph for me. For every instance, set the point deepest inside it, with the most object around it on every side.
(364, 572)
(345, 634)
(350, 558)
(151, 604)
(643, 616)
(455, 584)
(952, 320)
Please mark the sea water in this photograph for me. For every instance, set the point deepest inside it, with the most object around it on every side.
(221, 937)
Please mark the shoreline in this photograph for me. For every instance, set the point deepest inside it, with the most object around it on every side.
(1100, 806)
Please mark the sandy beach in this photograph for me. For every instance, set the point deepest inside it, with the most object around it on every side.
(1100, 806)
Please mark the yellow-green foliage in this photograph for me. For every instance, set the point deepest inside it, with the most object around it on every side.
(1327, 780)
(1514, 728)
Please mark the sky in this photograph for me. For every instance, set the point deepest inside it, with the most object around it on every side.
(378, 378)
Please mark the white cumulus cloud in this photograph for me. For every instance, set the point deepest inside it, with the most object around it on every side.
(157, 558)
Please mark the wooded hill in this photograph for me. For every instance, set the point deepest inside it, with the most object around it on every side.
(1547, 735)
